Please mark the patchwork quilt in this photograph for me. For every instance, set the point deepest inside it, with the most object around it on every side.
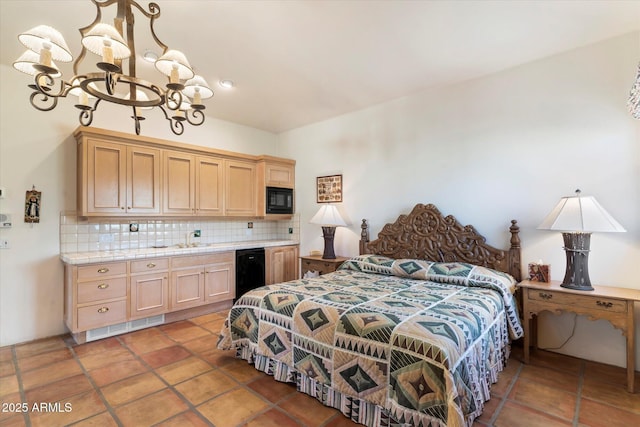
(388, 342)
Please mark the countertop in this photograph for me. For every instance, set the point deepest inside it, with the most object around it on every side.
(78, 258)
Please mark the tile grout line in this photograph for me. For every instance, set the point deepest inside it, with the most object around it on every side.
(169, 386)
(97, 389)
(496, 413)
(23, 396)
(576, 415)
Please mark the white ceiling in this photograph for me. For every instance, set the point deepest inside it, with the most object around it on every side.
(300, 62)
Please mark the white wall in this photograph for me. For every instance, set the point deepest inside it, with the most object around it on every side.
(37, 148)
(503, 147)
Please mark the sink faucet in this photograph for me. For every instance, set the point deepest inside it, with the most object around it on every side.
(189, 238)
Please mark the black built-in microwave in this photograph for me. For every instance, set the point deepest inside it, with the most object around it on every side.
(279, 200)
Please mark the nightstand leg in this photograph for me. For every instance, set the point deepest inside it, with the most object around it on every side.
(527, 332)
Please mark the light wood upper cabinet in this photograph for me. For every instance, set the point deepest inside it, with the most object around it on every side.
(118, 179)
(209, 186)
(240, 188)
(143, 181)
(179, 183)
(121, 174)
(281, 264)
(279, 175)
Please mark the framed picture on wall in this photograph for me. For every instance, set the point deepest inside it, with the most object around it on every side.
(329, 189)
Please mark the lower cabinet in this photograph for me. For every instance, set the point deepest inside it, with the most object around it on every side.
(200, 279)
(149, 287)
(110, 293)
(281, 264)
(95, 295)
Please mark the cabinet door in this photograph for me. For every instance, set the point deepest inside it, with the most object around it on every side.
(220, 282)
(143, 180)
(179, 184)
(281, 264)
(278, 175)
(240, 194)
(106, 178)
(187, 288)
(209, 186)
(149, 294)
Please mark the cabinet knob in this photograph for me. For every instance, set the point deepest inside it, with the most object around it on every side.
(151, 265)
(122, 207)
(103, 286)
(605, 304)
(103, 270)
(545, 295)
(103, 309)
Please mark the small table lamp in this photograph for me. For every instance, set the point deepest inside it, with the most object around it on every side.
(577, 217)
(329, 218)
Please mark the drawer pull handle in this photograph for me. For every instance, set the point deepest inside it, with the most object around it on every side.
(103, 270)
(545, 295)
(151, 265)
(103, 309)
(103, 286)
(605, 304)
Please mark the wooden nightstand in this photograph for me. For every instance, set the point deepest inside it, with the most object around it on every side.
(317, 263)
(609, 303)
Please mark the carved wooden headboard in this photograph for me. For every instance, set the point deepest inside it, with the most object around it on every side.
(426, 234)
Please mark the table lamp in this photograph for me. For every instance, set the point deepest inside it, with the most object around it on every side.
(577, 217)
(329, 218)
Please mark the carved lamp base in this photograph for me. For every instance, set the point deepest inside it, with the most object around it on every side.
(328, 234)
(576, 247)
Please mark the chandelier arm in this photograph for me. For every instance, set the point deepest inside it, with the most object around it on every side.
(44, 84)
(136, 121)
(175, 97)
(176, 125)
(86, 115)
(44, 101)
(195, 117)
(152, 15)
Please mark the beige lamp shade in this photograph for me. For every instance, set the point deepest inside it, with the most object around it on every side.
(173, 63)
(197, 89)
(102, 36)
(25, 64)
(44, 37)
(328, 216)
(580, 214)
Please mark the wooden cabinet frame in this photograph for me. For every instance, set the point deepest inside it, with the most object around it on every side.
(121, 174)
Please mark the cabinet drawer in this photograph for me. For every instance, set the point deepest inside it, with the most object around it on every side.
(198, 260)
(149, 265)
(103, 314)
(99, 290)
(590, 302)
(319, 266)
(97, 271)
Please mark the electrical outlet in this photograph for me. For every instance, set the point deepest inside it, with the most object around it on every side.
(133, 227)
(290, 230)
(249, 225)
(196, 233)
(4, 244)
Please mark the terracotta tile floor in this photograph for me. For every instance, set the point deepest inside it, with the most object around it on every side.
(172, 375)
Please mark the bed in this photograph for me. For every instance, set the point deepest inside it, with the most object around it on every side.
(413, 331)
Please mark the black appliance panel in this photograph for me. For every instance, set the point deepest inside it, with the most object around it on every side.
(279, 200)
(250, 272)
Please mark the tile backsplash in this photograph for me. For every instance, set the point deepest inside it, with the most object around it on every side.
(82, 234)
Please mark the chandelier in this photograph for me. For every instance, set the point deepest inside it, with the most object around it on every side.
(180, 99)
